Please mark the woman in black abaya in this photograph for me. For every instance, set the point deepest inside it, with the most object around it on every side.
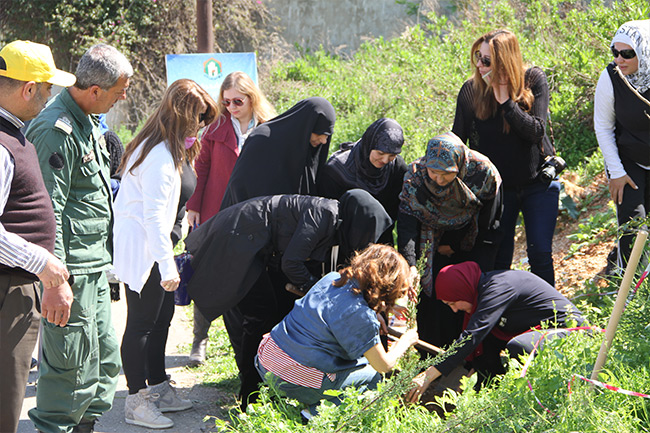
(283, 155)
(373, 164)
(240, 246)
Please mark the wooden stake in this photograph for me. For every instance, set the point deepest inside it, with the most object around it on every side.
(621, 299)
(392, 332)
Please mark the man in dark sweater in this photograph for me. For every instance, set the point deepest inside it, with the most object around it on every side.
(27, 226)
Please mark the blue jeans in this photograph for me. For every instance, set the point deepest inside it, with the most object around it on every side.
(538, 204)
(364, 377)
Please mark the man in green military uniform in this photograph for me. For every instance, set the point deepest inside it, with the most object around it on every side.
(81, 361)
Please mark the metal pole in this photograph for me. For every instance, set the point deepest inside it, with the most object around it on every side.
(621, 298)
(204, 29)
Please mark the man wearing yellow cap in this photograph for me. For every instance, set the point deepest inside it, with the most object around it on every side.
(81, 362)
(27, 225)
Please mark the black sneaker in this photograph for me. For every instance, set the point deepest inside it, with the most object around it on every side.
(84, 427)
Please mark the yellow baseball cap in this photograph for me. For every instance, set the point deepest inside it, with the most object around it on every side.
(29, 61)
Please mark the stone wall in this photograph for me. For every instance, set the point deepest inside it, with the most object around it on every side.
(343, 25)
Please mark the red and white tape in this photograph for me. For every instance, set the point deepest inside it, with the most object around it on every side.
(609, 387)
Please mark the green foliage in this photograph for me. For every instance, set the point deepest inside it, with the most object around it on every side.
(145, 30)
(415, 78)
(595, 229)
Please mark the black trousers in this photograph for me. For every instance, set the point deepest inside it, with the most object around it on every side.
(636, 203)
(262, 308)
(145, 337)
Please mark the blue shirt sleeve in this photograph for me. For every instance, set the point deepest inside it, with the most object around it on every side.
(354, 326)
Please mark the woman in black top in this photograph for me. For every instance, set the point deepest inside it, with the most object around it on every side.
(373, 164)
(499, 308)
(283, 155)
(501, 111)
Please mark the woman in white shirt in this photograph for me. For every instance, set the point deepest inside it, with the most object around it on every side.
(622, 125)
(157, 180)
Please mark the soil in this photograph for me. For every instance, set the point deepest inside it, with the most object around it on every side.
(588, 264)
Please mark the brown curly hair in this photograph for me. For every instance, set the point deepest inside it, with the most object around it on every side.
(381, 273)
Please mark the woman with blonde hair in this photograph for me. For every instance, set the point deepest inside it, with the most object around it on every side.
(501, 111)
(157, 180)
(330, 340)
(242, 106)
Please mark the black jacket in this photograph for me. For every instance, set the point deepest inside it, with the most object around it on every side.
(231, 249)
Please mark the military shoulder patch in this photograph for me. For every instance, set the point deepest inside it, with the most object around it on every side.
(64, 124)
(56, 161)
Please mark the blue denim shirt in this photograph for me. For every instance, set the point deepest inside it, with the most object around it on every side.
(330, 328)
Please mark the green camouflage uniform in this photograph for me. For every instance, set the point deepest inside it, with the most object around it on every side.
(81, 361)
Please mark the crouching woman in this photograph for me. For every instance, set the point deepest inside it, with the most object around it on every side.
(330, 340)
(500, 309)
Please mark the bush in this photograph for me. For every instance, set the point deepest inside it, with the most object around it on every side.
(415, 78)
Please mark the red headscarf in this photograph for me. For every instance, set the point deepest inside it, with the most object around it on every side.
(459, 283)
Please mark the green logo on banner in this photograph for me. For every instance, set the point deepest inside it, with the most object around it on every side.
(212, 68)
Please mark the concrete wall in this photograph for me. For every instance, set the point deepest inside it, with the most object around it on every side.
(338, 25)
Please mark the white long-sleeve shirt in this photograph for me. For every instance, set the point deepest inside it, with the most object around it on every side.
(145, 212)
(15, 251)
(604, 125)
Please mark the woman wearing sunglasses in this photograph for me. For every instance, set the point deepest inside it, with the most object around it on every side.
(242, 106)
(501, 111)
(621, 107)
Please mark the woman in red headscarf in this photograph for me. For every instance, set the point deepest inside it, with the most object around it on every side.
(499, 306)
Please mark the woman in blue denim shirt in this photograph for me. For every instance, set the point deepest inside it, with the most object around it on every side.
(330, 340)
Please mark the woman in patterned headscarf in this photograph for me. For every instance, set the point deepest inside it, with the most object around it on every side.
(449, 212)
(621, 109)
(373, 164)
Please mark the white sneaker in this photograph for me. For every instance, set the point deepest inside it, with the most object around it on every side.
(140, 409)
(168, 400)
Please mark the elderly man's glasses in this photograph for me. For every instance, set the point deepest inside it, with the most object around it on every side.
(626, 54)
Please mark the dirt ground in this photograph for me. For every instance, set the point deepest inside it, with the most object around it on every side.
(589, 263)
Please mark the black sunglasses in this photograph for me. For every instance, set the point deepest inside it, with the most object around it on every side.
(626, 54)
(483, 59)
(237, 101)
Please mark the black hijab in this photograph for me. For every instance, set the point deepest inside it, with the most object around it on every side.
(363, 220)
(353, 168)
(278, 158)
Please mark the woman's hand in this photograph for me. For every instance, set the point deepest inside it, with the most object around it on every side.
(617, 185)
(445, 250)
(193, 218)
(170, 285)
(421, 382)
(410, 337)
(399, 310)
